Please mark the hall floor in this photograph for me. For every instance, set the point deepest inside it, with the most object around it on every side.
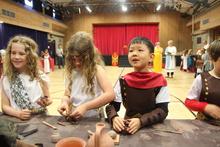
(178, 89)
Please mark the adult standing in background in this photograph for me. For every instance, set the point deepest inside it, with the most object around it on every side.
(207, 64)
(157, 62)
(59, 53)
(206, 45)
(170, 53)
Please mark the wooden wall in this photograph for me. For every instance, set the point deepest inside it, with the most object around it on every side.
(30, 19)
(208, 19)
(171, 25)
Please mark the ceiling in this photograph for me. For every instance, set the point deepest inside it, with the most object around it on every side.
(185, 7)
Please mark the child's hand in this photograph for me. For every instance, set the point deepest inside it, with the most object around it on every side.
(78, 112)
(64, 109)
(134, 125)
(213, 111)
(44, 101)
(24, 114)
(118, 124)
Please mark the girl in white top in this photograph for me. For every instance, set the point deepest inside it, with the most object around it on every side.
(87, 86)
(24, 87)
(46, 62)
(184, 59)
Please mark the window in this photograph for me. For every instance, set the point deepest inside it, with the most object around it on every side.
(54, 13)
(199, 40)
(29, 3)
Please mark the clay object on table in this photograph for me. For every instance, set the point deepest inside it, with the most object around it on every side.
(125, 132)
(112, 134)
(55, 137)
(100, 138)
(71, 142)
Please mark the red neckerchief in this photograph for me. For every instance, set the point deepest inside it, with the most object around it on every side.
(145, 80)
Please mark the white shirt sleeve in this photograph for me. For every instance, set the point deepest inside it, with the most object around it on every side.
(44, 77)
(173, 50)
(166, 50)
(196, 88)
(163, 95)
(117, 90)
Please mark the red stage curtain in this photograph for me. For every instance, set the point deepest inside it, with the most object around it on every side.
(149, 31)
(112, 38)
(109, 38)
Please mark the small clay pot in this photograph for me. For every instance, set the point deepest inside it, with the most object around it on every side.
(55, 137)
(100, 138)
(71, 142)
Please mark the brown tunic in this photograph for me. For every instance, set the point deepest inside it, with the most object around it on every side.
(140, 103)
(210, 93)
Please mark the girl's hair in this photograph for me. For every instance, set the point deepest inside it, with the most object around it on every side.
(81, 43)
(214, 50)
(143, 40)
(185, 52)
(32, 57)
(189, 52)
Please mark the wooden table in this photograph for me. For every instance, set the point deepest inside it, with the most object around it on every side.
(170, 133)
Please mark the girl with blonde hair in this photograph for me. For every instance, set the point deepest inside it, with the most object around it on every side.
(87, 87)
(24, 88)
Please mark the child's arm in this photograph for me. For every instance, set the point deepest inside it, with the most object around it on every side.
(155, 116)
(195, 105)
(108, 93)
(116, 121)
(64, 109)
(213, 111)
(7, 109)
(210, 109)
(192, 101)
(112, 109)
(46, 100)
(106, 97)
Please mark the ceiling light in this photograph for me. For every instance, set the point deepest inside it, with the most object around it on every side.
(124, 8)
(158, 7)
(88, 9)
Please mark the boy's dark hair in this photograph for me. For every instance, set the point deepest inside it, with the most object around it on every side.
(214, 50)
(143, 40)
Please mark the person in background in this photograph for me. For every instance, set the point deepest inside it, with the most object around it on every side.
(184, 60)
(158, 54)
(143, 93)
(24, 88)
(87, 86)
(206, 45)
(46, 61)
(190, 61)
(207, 63)
(204, 95)
(199, 64)
(170, 64)
(59, 53)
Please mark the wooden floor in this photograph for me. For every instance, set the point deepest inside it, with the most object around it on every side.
(178, 89)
